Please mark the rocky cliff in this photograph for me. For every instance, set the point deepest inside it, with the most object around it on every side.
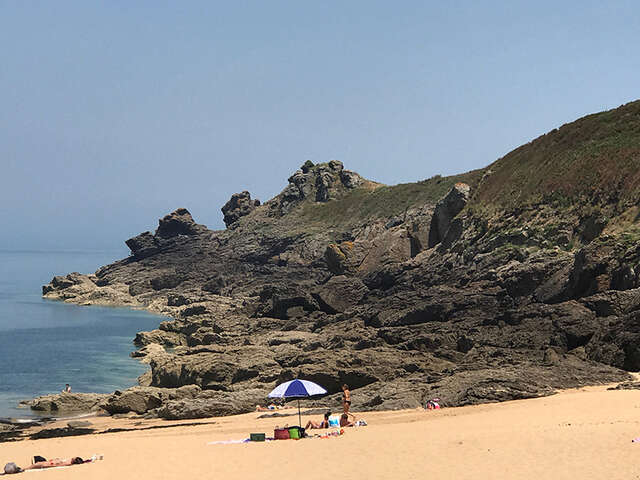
(503, 283)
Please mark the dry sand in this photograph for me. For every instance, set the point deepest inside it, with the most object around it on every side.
(577, 434)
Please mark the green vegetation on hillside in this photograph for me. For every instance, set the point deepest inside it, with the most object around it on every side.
(382, 202)
(596, 157)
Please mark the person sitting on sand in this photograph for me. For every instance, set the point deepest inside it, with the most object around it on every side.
(323, 424)
(67, 388)
(345, 422)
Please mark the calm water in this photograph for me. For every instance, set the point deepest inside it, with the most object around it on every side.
(45, 344)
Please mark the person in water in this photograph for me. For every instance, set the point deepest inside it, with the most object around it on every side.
(323, 424)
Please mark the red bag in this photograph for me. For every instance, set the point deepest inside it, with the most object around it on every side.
(281, 434)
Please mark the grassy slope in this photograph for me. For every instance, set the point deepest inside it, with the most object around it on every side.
(597, 156)
(382, 202)
(595, 159)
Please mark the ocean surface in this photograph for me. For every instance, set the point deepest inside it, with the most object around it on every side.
(45, 344)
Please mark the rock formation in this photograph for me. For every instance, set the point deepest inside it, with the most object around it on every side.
(502, 283)
(239, 205)
(65, 403)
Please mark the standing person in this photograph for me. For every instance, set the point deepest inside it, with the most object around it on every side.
(346, 399)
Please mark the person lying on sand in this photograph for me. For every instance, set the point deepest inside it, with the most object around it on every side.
(57, 462)
(271, 406)
(323, 424)
(260, 408)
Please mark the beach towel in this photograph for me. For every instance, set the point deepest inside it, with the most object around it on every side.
(229, 442)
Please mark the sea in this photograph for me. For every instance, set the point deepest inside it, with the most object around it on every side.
(46, 344)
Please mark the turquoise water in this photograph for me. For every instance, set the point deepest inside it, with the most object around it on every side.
(45, 344)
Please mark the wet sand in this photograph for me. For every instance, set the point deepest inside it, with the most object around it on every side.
(576, 434)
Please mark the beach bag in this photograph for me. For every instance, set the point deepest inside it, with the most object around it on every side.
(296, 433)
(257, 437)
(281, 434)
(12, 468)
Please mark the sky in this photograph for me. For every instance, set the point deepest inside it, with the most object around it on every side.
(115, 113)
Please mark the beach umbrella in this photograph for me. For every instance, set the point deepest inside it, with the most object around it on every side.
(297, 389)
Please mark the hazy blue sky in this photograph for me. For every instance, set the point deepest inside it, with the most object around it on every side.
(114, 113)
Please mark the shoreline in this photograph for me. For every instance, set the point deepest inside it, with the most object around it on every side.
(60, 426)
(16, 412)
(584, 432)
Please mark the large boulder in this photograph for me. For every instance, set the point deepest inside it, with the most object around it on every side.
(215, 367)
(143, 399)
(143, 245)
(160, 337)
(340, 293)
(320, 183)
(446, 210)
(177, 223)
(239, 205)
(212, 404)
(66, 402)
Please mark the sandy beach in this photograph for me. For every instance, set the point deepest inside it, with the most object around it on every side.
(585, 433)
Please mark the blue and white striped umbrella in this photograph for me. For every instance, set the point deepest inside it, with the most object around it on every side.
(297, 388)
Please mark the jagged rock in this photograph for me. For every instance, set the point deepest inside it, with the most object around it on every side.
(193, 310)
(613, 302)
(320, 182)
(160, 337)
(143, 245)
(239, 205)
(177, 300)
(308, 165)
(350, 179)
(338, 257)
(512, 303)
(340, 294)
(214, 284)
(139, 288)
(215, 367)
(197, 408)
(143, 399)
(211, 404)
(165, 281)
(176, 223)
(73, 283)
(445, 212)
(278, 300)
(626, 386)
(66, 402)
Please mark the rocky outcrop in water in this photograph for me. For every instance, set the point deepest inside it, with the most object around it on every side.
(65, 403)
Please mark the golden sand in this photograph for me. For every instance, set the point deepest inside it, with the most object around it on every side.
(577, 435)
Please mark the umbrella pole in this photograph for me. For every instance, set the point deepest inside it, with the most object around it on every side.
(299, 417)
